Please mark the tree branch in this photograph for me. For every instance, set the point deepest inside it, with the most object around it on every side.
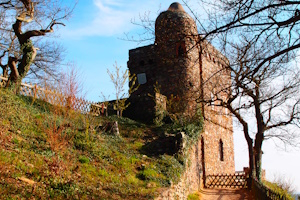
(279, 53)
(293, 116)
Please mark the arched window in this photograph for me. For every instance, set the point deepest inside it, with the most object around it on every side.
(221, 150)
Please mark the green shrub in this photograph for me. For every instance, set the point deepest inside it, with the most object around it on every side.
(148, 174)
(280, 188)
(84, 142)
(191, 126)
(194, 196)
(83, 159)
(171, 168)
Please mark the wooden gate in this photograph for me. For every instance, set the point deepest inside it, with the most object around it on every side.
(236, 180)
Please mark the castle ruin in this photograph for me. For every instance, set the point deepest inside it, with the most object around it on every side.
(182, 66)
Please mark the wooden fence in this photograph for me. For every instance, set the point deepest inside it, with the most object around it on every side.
(236, 180)
(59, 99)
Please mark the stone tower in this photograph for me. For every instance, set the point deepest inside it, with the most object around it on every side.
(172, 63)
(176, 39)
(180, 64)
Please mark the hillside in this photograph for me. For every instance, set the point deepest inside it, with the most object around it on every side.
(48, 152)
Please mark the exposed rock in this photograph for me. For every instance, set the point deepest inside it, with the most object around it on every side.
(180, 142)
(110, 128)
(151, 185)
(115, 129)
(167, 144)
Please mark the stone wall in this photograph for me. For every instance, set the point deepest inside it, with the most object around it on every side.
(218, 130)
(141, 62)
(191, 180)
(218, 148)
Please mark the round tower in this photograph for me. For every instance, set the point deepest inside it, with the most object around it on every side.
(177, 51)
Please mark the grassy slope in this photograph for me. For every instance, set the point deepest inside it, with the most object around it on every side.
(64, 155)
(279, 190)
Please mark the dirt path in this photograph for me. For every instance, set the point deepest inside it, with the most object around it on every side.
(225, 194)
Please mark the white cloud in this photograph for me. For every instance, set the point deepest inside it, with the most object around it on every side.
(109, 6)
(112, 18)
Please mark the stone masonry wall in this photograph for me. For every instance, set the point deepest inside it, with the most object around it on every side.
(213, 134)
(142, 61)
(191, 180)
(218, 130)
(177, 56)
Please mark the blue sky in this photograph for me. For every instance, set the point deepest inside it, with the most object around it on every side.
(92, 40)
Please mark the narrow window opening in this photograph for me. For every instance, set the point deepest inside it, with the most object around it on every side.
(221, 150)
(180, 49)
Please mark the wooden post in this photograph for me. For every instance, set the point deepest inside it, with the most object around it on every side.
(35, 88)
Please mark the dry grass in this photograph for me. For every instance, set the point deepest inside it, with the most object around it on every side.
(57, 139)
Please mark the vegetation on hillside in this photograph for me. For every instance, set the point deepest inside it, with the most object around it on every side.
(194, 196)
(49, 152)
(281, 186)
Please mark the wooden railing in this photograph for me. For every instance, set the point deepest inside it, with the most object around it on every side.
(236, 180)
(262, 192)
(59, 99)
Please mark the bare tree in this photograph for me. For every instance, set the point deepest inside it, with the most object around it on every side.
(120, 79)
(71, 85)
(270, 97)
(260, 39)
(23, 21)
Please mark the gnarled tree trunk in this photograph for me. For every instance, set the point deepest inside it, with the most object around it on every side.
(20, 67)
